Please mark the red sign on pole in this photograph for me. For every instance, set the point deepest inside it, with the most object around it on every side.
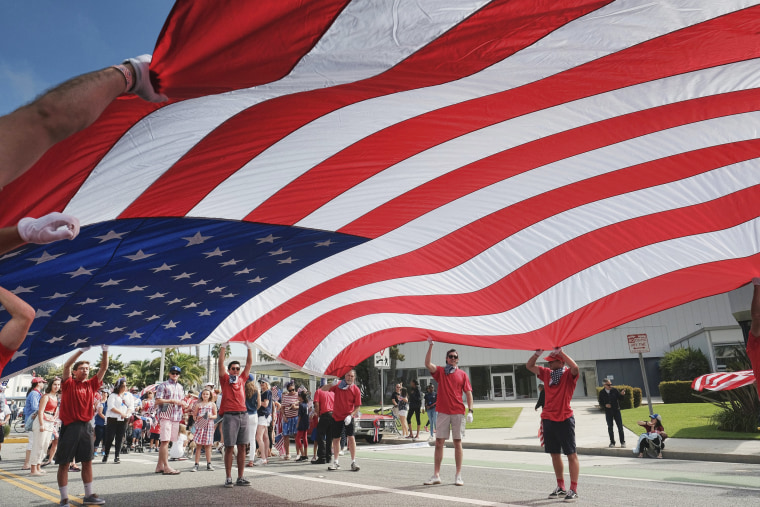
(638, 343)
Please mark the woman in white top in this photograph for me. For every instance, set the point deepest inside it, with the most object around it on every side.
(116, 420)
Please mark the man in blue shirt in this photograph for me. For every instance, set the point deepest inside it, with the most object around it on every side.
(30, 412)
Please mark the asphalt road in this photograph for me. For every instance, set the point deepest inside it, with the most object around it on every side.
(393, 475)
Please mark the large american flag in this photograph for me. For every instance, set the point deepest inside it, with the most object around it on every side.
(333, 177)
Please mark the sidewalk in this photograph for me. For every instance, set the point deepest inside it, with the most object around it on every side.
(592, 439)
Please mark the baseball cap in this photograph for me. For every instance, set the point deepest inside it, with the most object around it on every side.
(175, 369)
(263, 379)
(39, 380)
(554, 357)
(656, 416)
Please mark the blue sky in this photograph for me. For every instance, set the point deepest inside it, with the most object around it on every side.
(45, 42)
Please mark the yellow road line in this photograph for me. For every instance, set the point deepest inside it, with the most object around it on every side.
(36, 488)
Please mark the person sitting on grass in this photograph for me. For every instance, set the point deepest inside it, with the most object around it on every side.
(654, 431)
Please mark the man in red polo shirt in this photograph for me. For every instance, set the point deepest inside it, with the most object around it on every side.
(557, 417)
(348, 399)
(75, 441)
(235, 421)
(451, 418)
(323, 404)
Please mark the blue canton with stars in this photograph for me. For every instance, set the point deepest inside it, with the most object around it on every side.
(151, 282)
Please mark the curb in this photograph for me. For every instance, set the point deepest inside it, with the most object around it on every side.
(16, 440)
(606, 451)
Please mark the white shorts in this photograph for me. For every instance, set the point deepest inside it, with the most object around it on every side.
(450, 424)
(169, 430)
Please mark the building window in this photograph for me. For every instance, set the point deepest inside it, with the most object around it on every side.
(728, 356)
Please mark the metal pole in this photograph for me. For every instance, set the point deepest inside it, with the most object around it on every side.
(163, 360)
(646, 382)
(382, 392)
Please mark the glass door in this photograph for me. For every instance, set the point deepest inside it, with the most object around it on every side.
(503, 386)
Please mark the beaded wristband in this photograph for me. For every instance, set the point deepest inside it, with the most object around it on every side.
(127, 76)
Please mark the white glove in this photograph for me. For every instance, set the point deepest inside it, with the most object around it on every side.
(143, 88)
(250, 345)
(104, 347)
(538, 352)
(430, 340)
(558, 350)
(85, 349)
(51, 227)
(469, 417)
(347, 420)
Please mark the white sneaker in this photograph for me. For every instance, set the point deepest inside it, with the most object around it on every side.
(355, 466)
(458, 481)
(333, 466)
(433, 480)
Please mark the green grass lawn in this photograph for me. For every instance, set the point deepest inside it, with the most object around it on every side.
(491, 417)
(683, 420)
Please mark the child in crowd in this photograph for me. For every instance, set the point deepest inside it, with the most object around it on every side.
(204, 414)
(177, 450)
(137, 427)
(313, 422)
(155, 434)
(302, 427)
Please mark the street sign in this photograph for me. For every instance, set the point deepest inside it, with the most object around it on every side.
(638, 343)
(382, 359)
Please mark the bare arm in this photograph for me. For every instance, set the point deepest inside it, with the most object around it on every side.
(9, 239)
(69, 362)
(570, 363)
(14, 331)
(428, 363)
(103, 365)
(248, 360)
(220, 363)
(531, 364)
(28, 132)
(468, 394)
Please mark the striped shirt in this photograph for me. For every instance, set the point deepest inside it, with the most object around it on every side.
(288, 400)
(170, 390)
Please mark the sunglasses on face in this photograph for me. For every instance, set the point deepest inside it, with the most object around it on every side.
(174, 373)
(291, 390)
(452, 356)
(234, 368)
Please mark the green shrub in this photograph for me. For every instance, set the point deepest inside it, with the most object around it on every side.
(628, 399)
(678, 392)
(738, 409)
(683, 364)
(636, 397)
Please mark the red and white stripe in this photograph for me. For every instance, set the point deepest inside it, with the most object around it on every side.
(723, 381)
(529, 173)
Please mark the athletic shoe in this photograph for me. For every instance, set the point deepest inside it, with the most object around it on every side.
(105, 458)
(355, 466)
(433, 480)
(210, 467)
(116, 460)
(571, 496)
(229, 484)
(558, 493)
(333, 466)
(612, 444)
(458, 481)
(258, 462)
(94, 454)
(318, 462)
(622, 444)
(93, 500)
(64, 503)
(242, 482)
(195, 468)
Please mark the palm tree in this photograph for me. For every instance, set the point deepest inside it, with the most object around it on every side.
(141, 373)
(192, 372)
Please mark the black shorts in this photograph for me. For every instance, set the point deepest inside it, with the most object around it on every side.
(337, 427)
(2, 434)
(75, 443)
(559, 436)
